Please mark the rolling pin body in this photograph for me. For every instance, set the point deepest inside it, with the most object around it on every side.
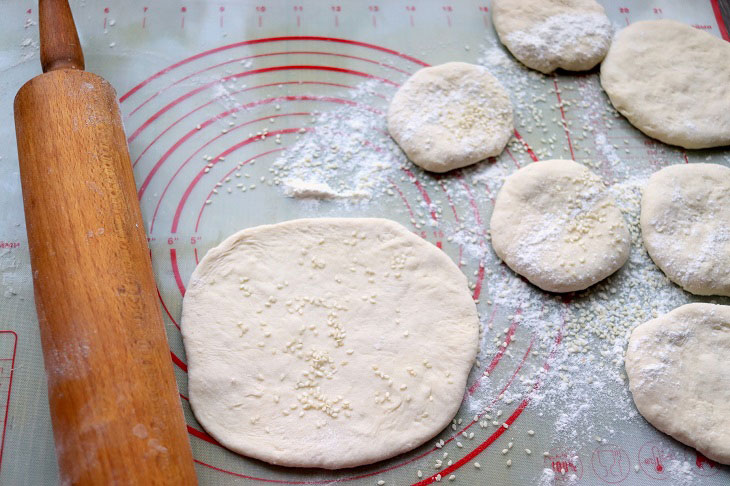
(114, 404)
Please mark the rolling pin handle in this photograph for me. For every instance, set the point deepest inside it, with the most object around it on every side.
(60, 46)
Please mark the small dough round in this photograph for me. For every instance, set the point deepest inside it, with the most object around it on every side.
(555, 224)
(549, 34)
(672, 82)
(678, 376)
(327, 342)
(685, 223)
(450, 116)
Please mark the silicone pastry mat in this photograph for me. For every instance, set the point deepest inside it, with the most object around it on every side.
(267, 85)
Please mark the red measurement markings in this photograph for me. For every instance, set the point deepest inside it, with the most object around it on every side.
(7, 368)
(448, 199)
(514, 160)
(178, 362)
(403, 198)
(510, 420)
(261, 9)
(223, 115)
(396, 466)
(718, 18)
(374, 9)
(182, 16)
(527, 147)
(485, 14)
(411, 9)
(144, 17)
(523, 404)
(448, 9)
(458, 464)
(259, 41)
(225, 153)
(502, 348)
(231, 77)
(178, 279)
(336, 9)
(625, 11)
(422, 191)
(191, 156)
(284, 53)
(202, 435)
(106, 12)
(221, 9)
(482, 243)
(562, 116)
(298, 9)
(227, 174)
(214, 100)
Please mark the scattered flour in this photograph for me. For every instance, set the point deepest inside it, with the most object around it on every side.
(546, 45)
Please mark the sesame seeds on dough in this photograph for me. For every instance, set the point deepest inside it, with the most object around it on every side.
(325, 342)
(549, 34)
(450, 116)
(555, 223)
(685, 222)
(678, 377)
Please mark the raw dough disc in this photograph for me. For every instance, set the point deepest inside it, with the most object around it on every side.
(672, 82)
(678, 376)
(450, 116)
(327, 342)
(550, 34)
(685, 223)
(555, 223)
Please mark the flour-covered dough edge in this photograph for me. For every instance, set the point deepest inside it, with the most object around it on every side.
(506, 243)
(711, 439)
(437, 157)
(654, 200)
(645, 104)
(372, 455)
(548, 35)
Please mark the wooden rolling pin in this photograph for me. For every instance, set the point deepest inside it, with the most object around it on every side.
(115, 408)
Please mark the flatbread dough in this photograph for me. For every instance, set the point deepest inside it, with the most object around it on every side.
(678, 376)
(685, 223)
(550, 34)
(327, 342)
(555, 223)
(672, 82)
(450, 116)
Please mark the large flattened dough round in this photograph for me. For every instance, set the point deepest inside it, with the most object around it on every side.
(685, 224)
(672, 82)
(450, 116)
(678, 376)
(327, 342)
(549, 34)
(555, 223)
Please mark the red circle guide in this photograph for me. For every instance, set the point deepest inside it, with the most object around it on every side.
(206, 135)
(205, 130)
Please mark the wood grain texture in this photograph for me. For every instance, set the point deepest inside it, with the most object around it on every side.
(115, 407)
(60, 46)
